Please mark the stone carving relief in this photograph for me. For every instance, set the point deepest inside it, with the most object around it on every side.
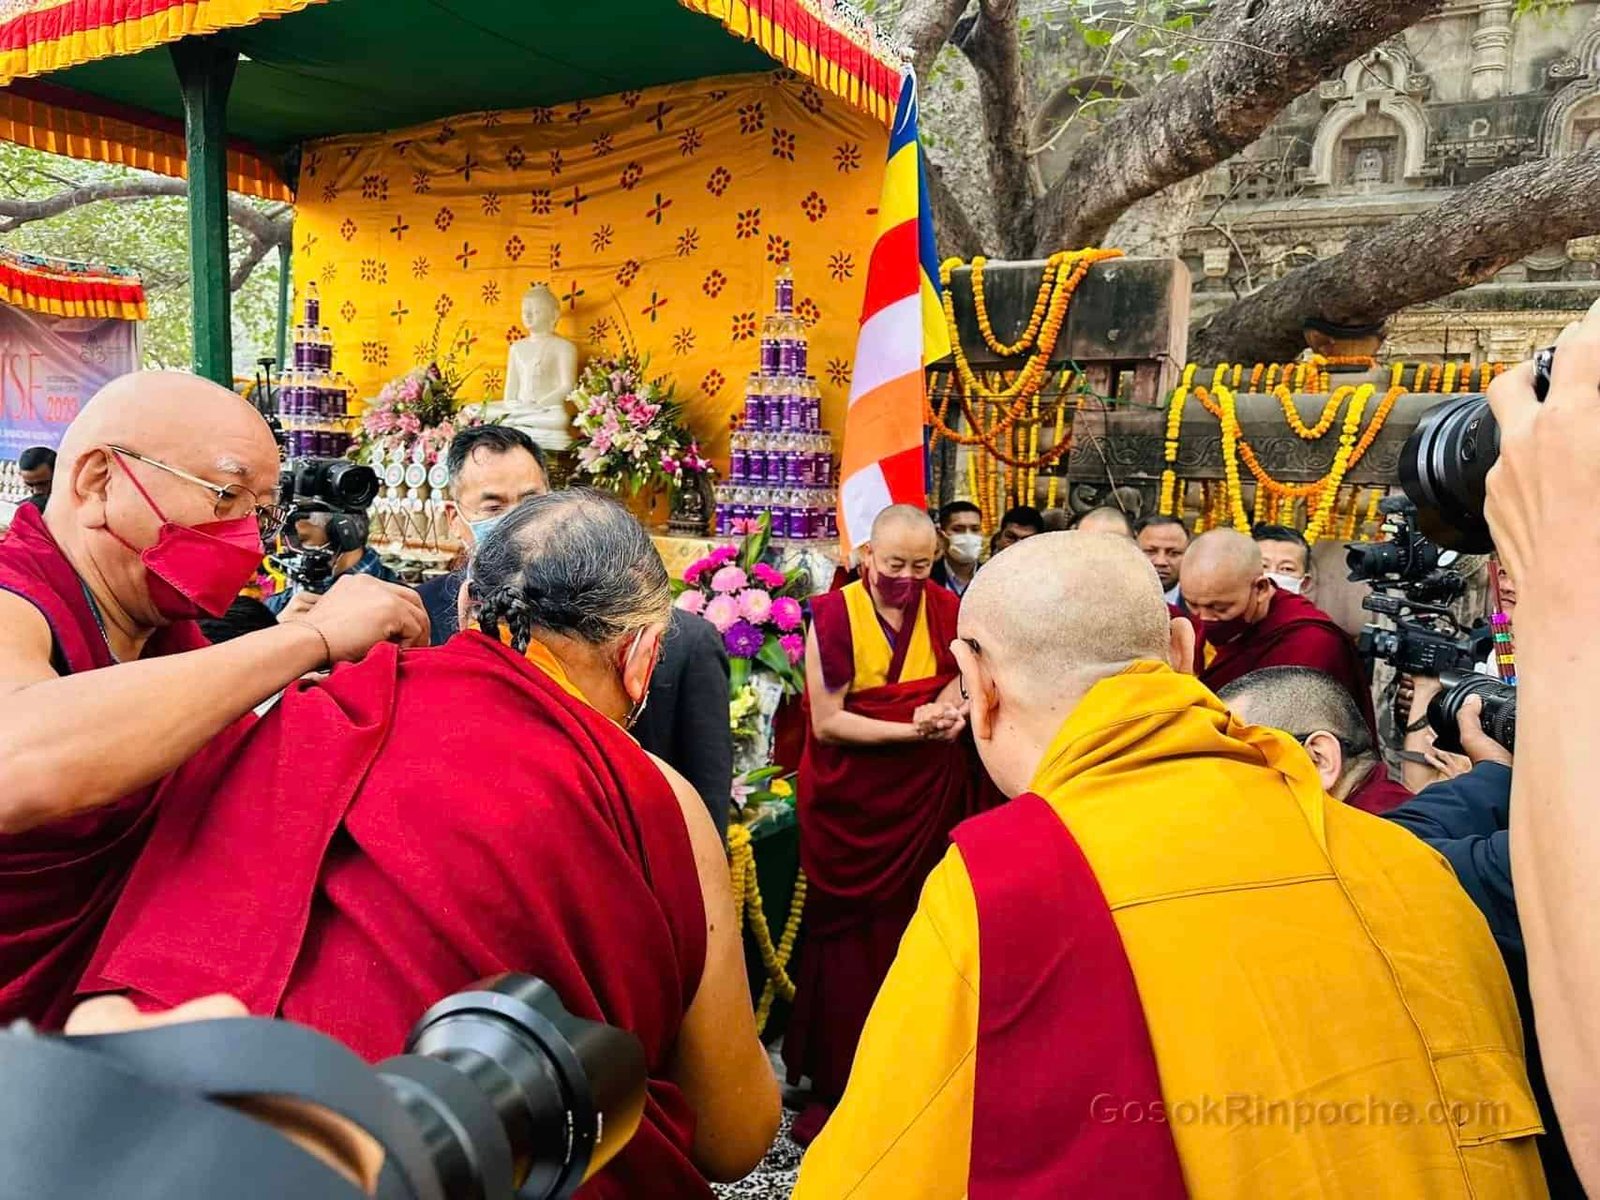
(1375, 100)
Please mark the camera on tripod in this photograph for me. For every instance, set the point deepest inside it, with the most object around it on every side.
(326, 500)
(1412, 584)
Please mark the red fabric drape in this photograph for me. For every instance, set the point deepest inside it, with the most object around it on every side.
(58, 882)
(414, 823)
(1055, 986)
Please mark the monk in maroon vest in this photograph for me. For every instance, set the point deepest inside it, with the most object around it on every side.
(422, 819)
(887, 773)
(1247, 623)
(105, 682)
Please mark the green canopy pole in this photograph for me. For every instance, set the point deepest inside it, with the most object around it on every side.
(283, 306)
(205, 74)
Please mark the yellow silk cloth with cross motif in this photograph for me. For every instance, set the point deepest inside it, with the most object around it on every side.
(660, 216)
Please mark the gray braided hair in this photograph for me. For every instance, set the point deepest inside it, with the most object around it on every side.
(574, 563)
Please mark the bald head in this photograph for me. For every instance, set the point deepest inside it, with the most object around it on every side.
(1067, 603)
(1222, 578)
(181, 420)
(1106, 520)
(903, 520)
(1298, 701)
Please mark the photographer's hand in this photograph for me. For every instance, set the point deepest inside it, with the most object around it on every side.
(1480, 747)
(299, 605)
(358, 612)
(1545, 480)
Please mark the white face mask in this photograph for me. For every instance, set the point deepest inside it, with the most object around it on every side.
(1287, 583)
(965, 547)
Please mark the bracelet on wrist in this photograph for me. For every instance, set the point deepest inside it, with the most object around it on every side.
(327, 650)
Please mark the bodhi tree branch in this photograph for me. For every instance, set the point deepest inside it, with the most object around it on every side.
(992, 44)
(1463, 241)
(1265, 53)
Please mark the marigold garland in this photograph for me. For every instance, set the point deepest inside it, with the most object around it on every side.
(1341, 463)
(747, 909)
(1035, 322)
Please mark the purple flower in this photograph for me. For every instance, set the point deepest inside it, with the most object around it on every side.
(729, 579)
(794, 647)
(767, 576)
(722, 612)
(786, 614)
(756, 605)
(742, 639)
(692, 602)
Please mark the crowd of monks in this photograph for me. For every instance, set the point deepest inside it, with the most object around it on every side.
(1093, 905)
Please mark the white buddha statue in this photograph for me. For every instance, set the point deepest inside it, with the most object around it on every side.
(541, 371)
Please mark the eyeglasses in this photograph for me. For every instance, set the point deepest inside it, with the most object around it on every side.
(230, 498)
(970, 644)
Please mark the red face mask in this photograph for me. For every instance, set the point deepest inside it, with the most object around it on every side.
(196, 570)
(901, 593)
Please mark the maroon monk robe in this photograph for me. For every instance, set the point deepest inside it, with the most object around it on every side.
(1294, 633)
(874, 820)
(59, 881)
(410, 825)
(1069, 1000)
(1377, 793)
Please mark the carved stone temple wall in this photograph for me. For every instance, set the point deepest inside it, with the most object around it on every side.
(1466, 92)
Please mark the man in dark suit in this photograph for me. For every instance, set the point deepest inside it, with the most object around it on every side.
(493, 468)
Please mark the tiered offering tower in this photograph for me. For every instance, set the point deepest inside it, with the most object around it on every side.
(314, 402)
(781, 459)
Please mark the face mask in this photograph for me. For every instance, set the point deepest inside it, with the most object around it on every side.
(482, 528)
(1223, 633)
(901, 593)
(197, 570)
(1286, 583)
(965, 547)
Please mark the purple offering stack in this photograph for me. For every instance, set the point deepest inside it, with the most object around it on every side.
(781, 458)
(313, 402)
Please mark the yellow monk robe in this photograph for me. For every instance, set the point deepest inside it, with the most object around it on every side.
(1329, 1014)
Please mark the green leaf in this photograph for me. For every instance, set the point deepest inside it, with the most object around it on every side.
(738, 673)
(772, 657)
(1098, 38)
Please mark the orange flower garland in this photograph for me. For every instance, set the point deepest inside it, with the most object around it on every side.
(1040, 304)
(1341, 463)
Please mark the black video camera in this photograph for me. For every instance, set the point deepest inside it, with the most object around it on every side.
(1445, 464)
(1412, 585)
(1499, 716)
(502, 1094)
(326, 500)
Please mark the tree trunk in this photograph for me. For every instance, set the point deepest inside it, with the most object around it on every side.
(1154, 227)
(995, 51)
(1263, 55)
(1465, 240)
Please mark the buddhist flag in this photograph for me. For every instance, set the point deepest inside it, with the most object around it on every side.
(902, 329)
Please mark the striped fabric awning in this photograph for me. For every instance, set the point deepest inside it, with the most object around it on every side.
(60, 288)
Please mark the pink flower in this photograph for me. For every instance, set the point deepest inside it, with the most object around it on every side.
(693, 572)
(768, 576)
(756, 605)
(722, 555)
(409, 423)
(786, 614)
(794, 648)
(729, 579)
(692, 602)
(722, 612)
(743, 528)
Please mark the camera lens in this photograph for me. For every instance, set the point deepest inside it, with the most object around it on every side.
(1374, 560)
(351, 484)
(1444, 468)
(1499, 716)
(513, 1093)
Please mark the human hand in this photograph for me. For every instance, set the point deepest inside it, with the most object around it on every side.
(1445, 764)
(1549, 453)
(358, 612)
(1420, 691)
(299, 605)
(1479, 746)
(118, 1014)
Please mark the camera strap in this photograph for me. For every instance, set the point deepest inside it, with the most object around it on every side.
(137, 1115)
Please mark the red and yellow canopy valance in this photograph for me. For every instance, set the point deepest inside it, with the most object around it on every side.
(836, 54)
(60, 288)
(39, 36)
(45, 117)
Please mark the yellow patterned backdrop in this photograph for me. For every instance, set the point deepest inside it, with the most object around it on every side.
(664, 214)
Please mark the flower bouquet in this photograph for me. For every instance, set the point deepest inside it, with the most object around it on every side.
(763, 786)
(631, 434)
(414, 416)
(753, 605)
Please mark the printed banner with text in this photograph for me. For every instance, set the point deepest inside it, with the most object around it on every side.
(50, 366)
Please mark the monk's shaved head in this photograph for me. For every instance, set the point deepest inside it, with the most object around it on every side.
(1063, 604)
(182, 420)
(903, 520)
(1299, 701)
(1106, 520)
(1223, 579)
